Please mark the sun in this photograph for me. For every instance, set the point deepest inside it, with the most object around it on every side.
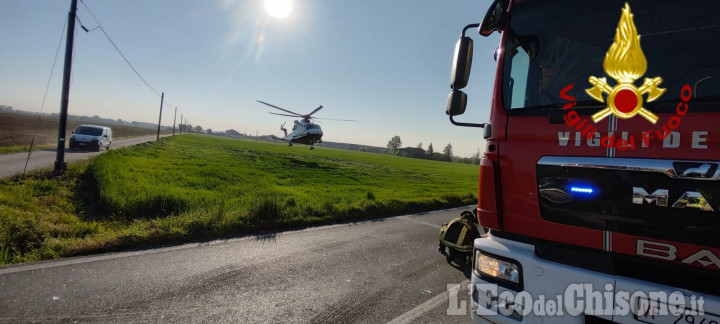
(278, 8)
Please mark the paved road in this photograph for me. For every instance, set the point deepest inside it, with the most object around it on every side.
(12, 164)
(378, 271)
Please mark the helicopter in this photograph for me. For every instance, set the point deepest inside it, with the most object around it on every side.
(303, 131)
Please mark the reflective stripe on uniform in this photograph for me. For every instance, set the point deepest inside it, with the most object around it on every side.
(462, 236)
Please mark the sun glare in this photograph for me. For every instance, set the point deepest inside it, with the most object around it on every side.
(278, 8)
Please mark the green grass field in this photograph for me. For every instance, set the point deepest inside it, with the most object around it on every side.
(195, 187)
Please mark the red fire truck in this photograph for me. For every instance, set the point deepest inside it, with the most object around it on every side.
(600, 181)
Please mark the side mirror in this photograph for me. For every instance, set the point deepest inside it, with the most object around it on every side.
(456, 103)
(462, 62)
(494, 18)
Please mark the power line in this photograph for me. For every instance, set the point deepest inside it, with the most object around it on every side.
(117, 49)
(83, 26)
(99, 26)
(52, 69)
(47, 88)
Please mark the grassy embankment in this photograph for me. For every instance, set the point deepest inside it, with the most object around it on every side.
(193, 187)
(18, 129)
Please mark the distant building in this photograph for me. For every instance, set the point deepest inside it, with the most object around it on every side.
(412, 152)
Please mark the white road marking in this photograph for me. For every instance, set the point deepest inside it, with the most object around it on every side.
(417, 221)
(415, 313)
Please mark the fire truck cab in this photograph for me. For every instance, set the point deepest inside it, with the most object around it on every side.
(600, 181)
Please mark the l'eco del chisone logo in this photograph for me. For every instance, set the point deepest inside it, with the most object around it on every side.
(625, 62)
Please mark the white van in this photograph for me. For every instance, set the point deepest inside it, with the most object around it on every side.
(91, 137)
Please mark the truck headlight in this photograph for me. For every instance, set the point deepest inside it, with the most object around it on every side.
(500, 269)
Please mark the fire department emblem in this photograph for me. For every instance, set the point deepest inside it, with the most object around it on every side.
(625, 62)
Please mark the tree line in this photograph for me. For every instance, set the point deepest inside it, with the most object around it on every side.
(395, 147)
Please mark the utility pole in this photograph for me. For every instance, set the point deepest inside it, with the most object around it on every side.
(181, 123)
(162, 98)
(174, 119)
(60, 165)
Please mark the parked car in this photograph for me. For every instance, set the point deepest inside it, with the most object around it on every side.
(91, 137)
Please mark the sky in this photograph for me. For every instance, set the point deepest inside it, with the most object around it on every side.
(384, 63)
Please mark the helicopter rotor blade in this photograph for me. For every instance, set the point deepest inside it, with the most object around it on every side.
(284, 115)
(351, 120)
(276, 107)
(314, 111)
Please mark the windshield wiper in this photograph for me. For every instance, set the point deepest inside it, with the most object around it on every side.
(695, 99)
(590, 104)
(578, 104)
(706, 99)
(553, 106)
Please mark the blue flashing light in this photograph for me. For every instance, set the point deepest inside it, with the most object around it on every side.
(583, 190)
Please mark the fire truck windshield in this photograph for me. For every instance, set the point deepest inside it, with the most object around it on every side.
(552, 44)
